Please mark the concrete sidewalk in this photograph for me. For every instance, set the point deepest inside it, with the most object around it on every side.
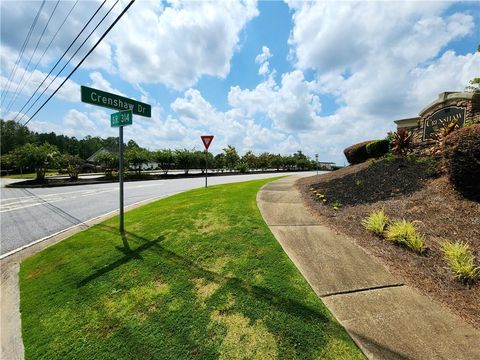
(387, 319)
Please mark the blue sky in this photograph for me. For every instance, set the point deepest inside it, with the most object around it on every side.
(262, 76)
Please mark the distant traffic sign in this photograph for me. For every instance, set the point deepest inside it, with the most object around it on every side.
(121, 118)
(207, 140)
(113, 101)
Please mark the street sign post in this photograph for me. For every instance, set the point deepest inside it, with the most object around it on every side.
(121, 119)
(207, 140)
(316, 161)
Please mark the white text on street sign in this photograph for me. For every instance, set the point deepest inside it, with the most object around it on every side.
(121, 118)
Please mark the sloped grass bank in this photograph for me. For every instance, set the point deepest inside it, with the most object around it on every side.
(204, 278)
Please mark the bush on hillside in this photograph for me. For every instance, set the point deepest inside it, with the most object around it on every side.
(462, 160)
(378, 148)
(357, 153)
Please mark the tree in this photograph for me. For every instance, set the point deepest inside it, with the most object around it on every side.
(474, 84)
(184, 159)
(288, 162)
(36, 157)
(250, 160)
(108, 161)
(13, 135)
(72, 164)
(136, 157)
(7, 163)
(264, 160)
(277, 161)
(165, 159)
(219, 162)
(231, 157)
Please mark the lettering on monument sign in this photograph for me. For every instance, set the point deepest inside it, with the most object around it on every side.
(113, 101)
(441, 118)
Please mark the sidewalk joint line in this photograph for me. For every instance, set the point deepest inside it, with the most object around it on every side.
(379, 287)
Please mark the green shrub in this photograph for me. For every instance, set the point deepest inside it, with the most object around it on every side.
(461, 261)
(376, 222)
(462, 160)
(357, 153)
(404, 232)
(378, 148)
(472, 122)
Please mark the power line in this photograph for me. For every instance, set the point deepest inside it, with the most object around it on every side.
(60, 59)
(15, 95)
(68, 61)
(48, 46)
(81, 62)
(22, 49)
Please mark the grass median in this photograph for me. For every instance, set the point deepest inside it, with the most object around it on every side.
(203, 277)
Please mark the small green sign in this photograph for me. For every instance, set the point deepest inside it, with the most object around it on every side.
(114, 101)
(121, 118)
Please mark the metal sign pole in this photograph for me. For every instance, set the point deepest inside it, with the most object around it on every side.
(316, 160)
(206, 167)
(120, 174)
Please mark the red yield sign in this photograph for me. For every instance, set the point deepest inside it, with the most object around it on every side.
(207, 140)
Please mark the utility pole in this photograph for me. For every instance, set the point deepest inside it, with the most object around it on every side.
(316, 161)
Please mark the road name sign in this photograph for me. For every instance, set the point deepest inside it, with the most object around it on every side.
(207, 140)
(113, 101)
(121, 118)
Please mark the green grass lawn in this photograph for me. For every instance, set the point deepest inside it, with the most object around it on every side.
(30, 175)
(204, 278)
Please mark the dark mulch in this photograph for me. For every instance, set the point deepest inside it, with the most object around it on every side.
(381, 180)
(414, 191)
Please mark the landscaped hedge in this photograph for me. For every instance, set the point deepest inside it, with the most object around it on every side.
(378, 148)
(357, 153)
(462, 160)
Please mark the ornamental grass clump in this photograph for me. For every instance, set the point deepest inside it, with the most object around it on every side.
(404, 232)
(461, 261)
(376, 222)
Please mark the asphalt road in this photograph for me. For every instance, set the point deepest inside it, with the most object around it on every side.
(27, 215)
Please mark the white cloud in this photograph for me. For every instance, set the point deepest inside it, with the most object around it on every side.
(379, 60)
(262, 60)
(181, 43)
(99, 82)
(79, 123)
(291, 105)
(233, 127)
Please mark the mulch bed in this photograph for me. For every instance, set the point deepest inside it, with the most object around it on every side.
(411, 190)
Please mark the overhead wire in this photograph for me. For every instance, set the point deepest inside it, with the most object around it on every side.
(83, 59)
(68, 61)
(22, 50)
(15, 95)
(49, 44)
(60, 59)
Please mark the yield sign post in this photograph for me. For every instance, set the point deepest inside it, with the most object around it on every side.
(207, 140)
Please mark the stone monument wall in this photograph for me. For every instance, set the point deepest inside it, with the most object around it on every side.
(460, 106)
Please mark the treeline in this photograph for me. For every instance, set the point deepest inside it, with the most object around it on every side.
(14, 135)
(33, 155)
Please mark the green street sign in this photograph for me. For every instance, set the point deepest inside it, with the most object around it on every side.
(121, 118)
(112, 101)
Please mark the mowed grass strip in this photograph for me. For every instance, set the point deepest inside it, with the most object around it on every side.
(204, 278)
